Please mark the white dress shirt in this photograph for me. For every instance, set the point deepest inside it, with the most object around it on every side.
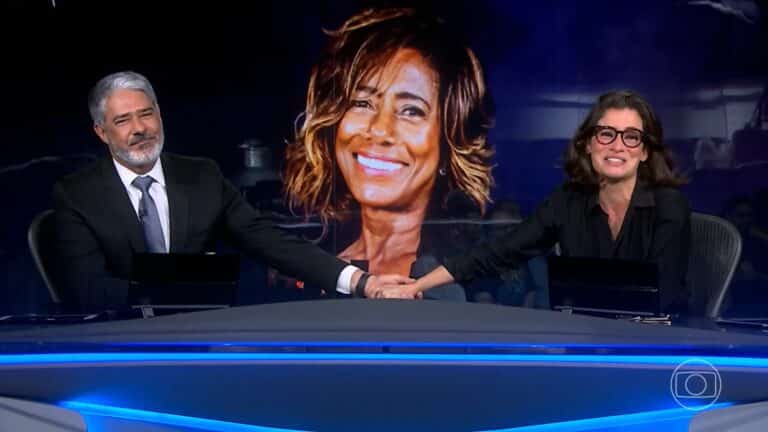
(159, 193)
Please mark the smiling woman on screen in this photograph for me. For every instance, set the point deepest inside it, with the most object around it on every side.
(397, 117)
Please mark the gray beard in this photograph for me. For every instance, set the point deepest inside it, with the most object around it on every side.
(138, 158)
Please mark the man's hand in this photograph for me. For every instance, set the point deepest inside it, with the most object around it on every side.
(373, 288)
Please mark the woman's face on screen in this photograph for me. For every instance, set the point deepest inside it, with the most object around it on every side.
(388, 142)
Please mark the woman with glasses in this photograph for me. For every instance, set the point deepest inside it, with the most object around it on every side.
(621, 200)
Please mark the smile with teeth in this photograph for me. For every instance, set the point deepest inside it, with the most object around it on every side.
(378, 164)
(615, 160)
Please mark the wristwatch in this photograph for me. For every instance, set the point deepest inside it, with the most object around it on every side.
(360, 286)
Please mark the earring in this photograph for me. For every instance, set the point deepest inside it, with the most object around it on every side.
(441, 171)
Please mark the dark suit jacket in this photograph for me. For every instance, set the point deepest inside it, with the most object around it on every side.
(98, 231)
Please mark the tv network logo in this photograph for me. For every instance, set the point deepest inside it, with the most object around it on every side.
(695, 384)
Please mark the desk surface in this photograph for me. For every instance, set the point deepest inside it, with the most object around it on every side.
(350, 365)
(378, 324)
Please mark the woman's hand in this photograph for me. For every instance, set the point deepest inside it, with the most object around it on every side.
(409, 291)
(415, 289)
(377, 283)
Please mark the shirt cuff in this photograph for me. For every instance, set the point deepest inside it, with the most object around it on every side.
(344, 283)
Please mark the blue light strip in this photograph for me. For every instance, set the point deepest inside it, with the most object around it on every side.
(89, 409)
(67, 358)
(656, 418)
(593, 424)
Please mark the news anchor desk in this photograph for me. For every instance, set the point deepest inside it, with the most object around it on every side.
(359, 365)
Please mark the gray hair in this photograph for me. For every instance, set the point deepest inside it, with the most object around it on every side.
(127, 80)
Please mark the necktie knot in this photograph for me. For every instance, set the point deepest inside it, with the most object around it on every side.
(143, 183)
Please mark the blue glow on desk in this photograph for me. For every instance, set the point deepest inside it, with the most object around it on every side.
(89, 409)
(671, 419)
(679, 417)
(202, 357)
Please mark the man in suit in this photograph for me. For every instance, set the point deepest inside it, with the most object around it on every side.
(142, 200)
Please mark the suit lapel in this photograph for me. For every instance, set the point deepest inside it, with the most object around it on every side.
(119, 207)
(178, 205)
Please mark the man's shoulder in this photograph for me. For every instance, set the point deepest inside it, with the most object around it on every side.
(186, 160)
(84, 177)
(189, 164)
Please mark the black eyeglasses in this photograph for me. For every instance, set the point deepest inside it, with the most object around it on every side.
(631, 137)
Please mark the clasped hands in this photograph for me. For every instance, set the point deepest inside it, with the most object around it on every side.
(392, 286)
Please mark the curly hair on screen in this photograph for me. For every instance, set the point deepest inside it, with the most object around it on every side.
(356, 51)
(657, 170)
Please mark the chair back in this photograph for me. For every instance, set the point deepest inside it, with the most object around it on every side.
(713, 257)
(40, 237)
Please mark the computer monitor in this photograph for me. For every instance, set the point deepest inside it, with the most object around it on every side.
(184, 280)
(604, 286)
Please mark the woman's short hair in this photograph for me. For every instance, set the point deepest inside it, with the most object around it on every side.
(360, 47)
(659, 167)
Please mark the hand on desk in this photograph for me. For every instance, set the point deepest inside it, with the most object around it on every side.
(377, 284)
(401, 291)
(414, 289)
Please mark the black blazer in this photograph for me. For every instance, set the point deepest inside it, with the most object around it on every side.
(98, 231)
(656, 228)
